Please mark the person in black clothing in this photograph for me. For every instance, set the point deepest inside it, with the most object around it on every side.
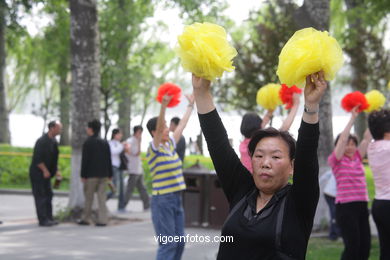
(96, 169)
(269, 218)
(181, 145)
(43, 167)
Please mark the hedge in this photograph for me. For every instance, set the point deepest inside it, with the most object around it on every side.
(15, 163)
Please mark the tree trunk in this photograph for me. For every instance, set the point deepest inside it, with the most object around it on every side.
(315, 13)
(356, 52)
(124, 114)
(4, 120)
(64, 110)
(85, 85)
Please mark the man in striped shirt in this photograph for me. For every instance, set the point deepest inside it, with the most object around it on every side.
(167, 180)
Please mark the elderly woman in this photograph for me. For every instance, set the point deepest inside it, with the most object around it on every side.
(351, 196)
(269, 218)
(379, 160)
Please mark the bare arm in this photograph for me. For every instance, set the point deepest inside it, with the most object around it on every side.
(183, 122)
(365, 142)
(161, 121)
(267, 117)
(291, 115)
(341, 145)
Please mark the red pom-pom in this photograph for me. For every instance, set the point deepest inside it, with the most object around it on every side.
(169, 89)
(354, 99)
(286, 94)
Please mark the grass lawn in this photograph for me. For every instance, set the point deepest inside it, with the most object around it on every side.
(324, 249)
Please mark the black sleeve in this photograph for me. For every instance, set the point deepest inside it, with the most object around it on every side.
(108, 152)
(234, 177)
(56, 154)
(40, 152)
(305, 189)
(84, 161)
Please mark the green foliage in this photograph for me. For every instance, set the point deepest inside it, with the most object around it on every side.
(200, 10)
(360, 27)
(324, 249)
(259, 43)
(15, 163)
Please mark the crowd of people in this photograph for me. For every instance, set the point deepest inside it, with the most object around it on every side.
(266, 210)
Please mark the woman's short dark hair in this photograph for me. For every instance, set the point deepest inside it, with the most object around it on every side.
(115, 132)
(352, 137)
(95, 125)
(272, 132)
(379, 123)
(250, 123)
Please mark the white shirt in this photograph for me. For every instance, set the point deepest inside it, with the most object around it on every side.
(379, 160)
(116, 148)
(330, 188)
(134, 166)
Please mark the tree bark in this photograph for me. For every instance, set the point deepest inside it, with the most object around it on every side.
(5, 136)
(315, 13)
(124, 114)
(85, 68)
(357, 53)
(65, 110)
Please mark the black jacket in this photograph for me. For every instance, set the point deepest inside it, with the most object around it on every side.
(96, 158)
(45, 151)
(254, 234)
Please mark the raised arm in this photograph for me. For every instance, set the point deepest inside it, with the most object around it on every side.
(161, 121)
(183, 122)
(267, 117)
(367, 137)
(291, 115)
(343, 138)
(234, 177)
(305, 178)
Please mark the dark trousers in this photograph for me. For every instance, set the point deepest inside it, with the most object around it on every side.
(353, 222)
(334, 231)
(43, 195)
(136, 180)
(381, 215)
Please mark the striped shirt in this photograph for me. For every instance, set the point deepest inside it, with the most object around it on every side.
(350, 178)
(166, 168)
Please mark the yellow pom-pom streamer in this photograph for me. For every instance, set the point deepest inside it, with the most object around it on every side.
(205, 51)
(306, 52)
(268, 96)
(375, 99)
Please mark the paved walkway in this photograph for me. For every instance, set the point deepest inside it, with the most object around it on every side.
(21, 238)
(128, 236)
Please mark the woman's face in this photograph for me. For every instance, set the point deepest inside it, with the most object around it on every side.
(351, 148)
(271, 164)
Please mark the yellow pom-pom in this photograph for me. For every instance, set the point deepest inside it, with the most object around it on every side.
(306, 52)
(268, 96)
(388, 85)
(205, 51)
(375, 99)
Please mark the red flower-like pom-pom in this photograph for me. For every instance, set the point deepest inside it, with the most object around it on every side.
(354, 99)
(169, 89)
(286, 94)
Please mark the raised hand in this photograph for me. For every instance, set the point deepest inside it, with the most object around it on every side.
(166, 99)
(200, 83)
(315, 88)
(190, 98)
